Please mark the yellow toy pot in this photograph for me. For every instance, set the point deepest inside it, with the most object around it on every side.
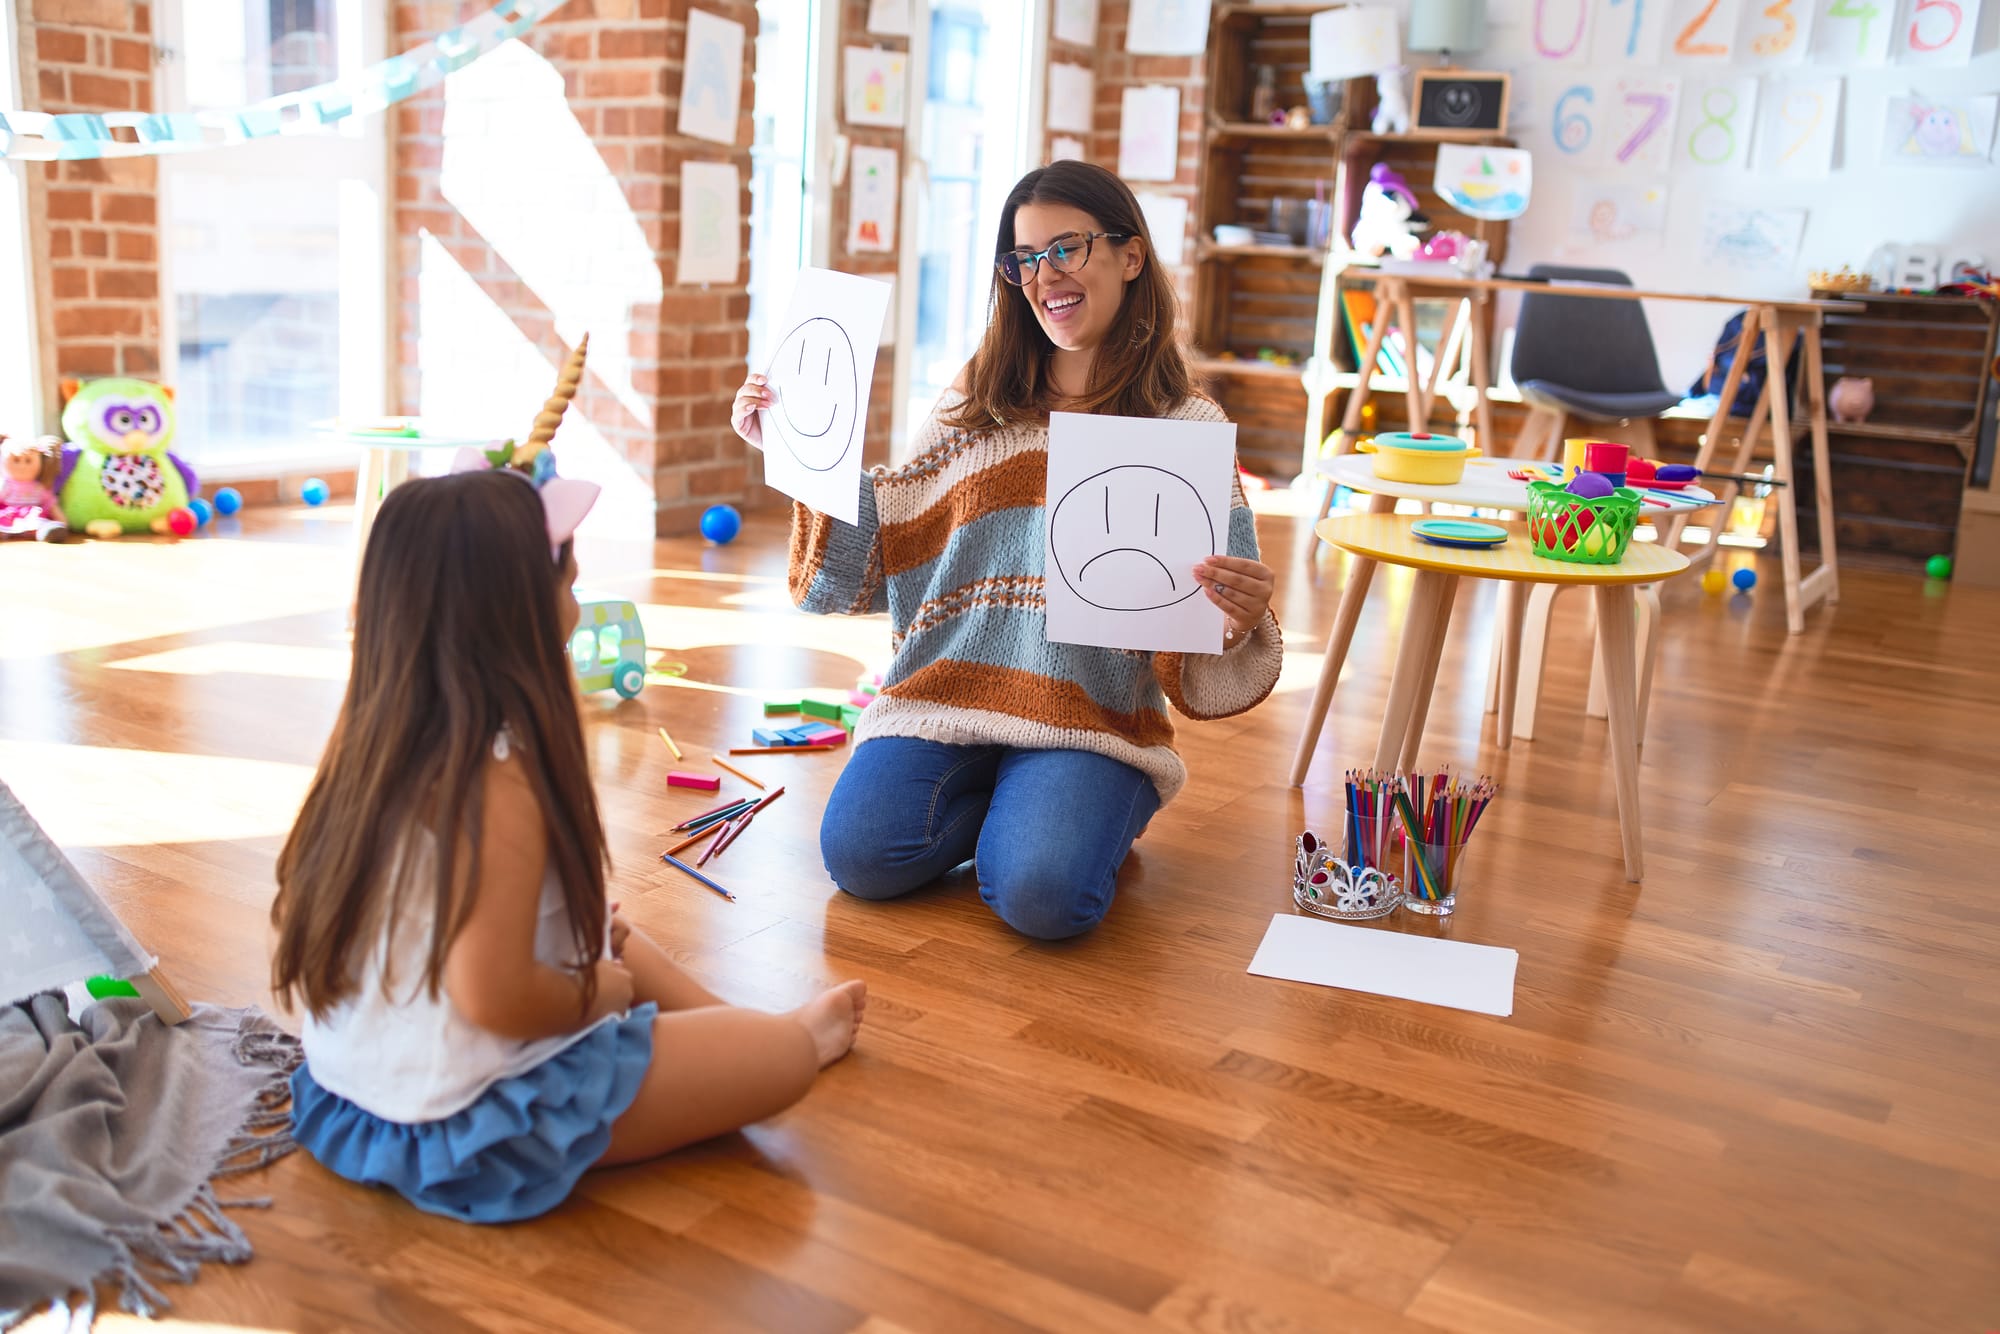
(1419, 458)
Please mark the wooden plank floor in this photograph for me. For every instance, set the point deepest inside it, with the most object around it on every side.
(1756, 1094)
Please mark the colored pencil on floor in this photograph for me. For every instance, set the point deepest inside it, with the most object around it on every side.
(725, 810)
(707, 832)
(670, 744)
(740, 823)
(683, 867)
(723, 764)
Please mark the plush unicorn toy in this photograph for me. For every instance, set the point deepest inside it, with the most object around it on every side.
(1389, 220)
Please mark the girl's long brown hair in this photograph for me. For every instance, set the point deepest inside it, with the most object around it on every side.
(1140, 369)
(455, 636)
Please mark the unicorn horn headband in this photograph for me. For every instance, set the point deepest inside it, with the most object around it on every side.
(565, 501)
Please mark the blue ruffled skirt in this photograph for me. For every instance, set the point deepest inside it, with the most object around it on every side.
(516, 1152)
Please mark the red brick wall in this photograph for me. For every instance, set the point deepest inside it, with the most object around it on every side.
(661, 400)
(1117, 71)
(881, 399)
(99, 220)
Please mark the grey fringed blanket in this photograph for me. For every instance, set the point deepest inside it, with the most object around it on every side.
(110, 1133)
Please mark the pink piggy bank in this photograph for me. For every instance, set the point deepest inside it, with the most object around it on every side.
(1852, 399)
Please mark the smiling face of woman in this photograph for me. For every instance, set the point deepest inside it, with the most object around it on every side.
(1075, 309)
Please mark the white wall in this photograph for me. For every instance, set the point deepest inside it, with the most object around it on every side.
(1858, 206)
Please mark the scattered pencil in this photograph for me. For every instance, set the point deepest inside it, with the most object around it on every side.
(683, 867)
(729, 806)
(776, 750)
(716, 816)
(706, 831)
(729, 828)
(721, 763)
(670, 744)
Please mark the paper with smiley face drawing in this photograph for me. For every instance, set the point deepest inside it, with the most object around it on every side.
(1133, 506)
(820, 376)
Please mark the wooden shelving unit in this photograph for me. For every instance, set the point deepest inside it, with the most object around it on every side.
(1286, 298)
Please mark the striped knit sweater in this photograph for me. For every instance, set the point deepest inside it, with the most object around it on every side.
(952, 547)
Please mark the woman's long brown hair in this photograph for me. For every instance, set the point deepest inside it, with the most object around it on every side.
(1140, 369)
(455, 636)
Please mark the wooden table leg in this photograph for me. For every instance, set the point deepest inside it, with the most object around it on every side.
(1364, 379)
(1353, 596)
(1534, 657)
(1447, 346)
(1616, 631)
(1420, 708)
(1413, 661)
(1777, 344)
(1413, 394)
(1825, 581)
(1481, 375)
(1712, 439)
(368, 481)
(1727, 492)
(1649, 650)
(1513, 611)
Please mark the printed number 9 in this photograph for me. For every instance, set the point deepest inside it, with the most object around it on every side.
(1572, 130)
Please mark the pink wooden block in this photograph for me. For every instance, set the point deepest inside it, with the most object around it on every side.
(860, 699)
(703, 782)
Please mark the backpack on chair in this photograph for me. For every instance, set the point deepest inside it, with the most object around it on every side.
(1727, 346)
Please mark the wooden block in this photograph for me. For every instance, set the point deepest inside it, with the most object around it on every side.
(700, 782)
(818, 708)
(776, 706)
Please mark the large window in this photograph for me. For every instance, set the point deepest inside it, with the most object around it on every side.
(780, 158)
(273, 250)
(18, 377)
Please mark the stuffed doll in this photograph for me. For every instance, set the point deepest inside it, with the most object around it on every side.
(117, 474)
(28, 505)
(1389, 221)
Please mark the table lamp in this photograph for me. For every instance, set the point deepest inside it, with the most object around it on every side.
(1446, 26)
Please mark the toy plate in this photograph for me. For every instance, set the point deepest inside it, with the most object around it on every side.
(1459, 533)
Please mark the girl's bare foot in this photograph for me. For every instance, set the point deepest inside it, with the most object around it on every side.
(832, 1017)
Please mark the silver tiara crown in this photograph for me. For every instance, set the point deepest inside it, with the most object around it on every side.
(1322, 883)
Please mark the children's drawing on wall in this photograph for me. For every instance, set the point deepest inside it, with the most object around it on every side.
(1796, 133)
(871, 200)
(820, 376)
(1167, 27)
(1063, 148)
(875, 86)
(1075, 22)
(1937, 131)
(711, 85)
(1634, 216)
(1490, 183)
(1166, 219)
(711, 223)
(1071, 88)
(891, 18)
(1750, 239)
(1936, 32)
(1149, 133)
(1134, 505)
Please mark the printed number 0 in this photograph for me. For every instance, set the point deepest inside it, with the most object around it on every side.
(1772, 43)
(1917, 43)
(1723, 120)
(1573, 131)
(1686, 45)
(1576, 34)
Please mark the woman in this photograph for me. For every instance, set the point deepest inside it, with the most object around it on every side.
(1040, 761)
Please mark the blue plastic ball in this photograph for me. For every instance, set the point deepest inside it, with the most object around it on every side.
(1745, 579)
(720, 524)
(314, 492)
(228, 500)
(203, 511)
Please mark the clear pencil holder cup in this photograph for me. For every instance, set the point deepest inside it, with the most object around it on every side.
(1431, 876)
(1352, 882)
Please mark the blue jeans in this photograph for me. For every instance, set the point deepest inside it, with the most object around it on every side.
(1047, 828)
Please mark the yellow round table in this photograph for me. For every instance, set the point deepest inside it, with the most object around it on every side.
(1386, 538)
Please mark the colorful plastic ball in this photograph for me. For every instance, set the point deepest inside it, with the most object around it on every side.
(181, 521)
(203, 511)
(227, 501)
(314, 492)
(720, 524)
(1713, 581)
(1938, 567)
(1745, 579)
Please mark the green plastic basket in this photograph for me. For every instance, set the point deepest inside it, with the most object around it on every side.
(1567, 527)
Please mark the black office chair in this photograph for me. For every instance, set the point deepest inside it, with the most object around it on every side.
(1587, 357)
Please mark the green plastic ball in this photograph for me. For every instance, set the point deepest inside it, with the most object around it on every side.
(1938, 567)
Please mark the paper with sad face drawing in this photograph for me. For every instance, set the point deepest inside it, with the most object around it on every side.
(1133, 506)
(820, 376)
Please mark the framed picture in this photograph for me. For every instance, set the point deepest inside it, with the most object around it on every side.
(1458, 103)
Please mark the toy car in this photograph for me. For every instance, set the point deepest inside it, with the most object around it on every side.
(608, 649)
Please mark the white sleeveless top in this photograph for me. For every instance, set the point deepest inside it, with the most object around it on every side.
(406, 1056)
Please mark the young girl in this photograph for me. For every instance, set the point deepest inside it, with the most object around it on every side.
(1041, 761)
(480, 1028)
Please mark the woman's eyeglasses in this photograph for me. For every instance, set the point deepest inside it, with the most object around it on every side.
(1066, 254)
